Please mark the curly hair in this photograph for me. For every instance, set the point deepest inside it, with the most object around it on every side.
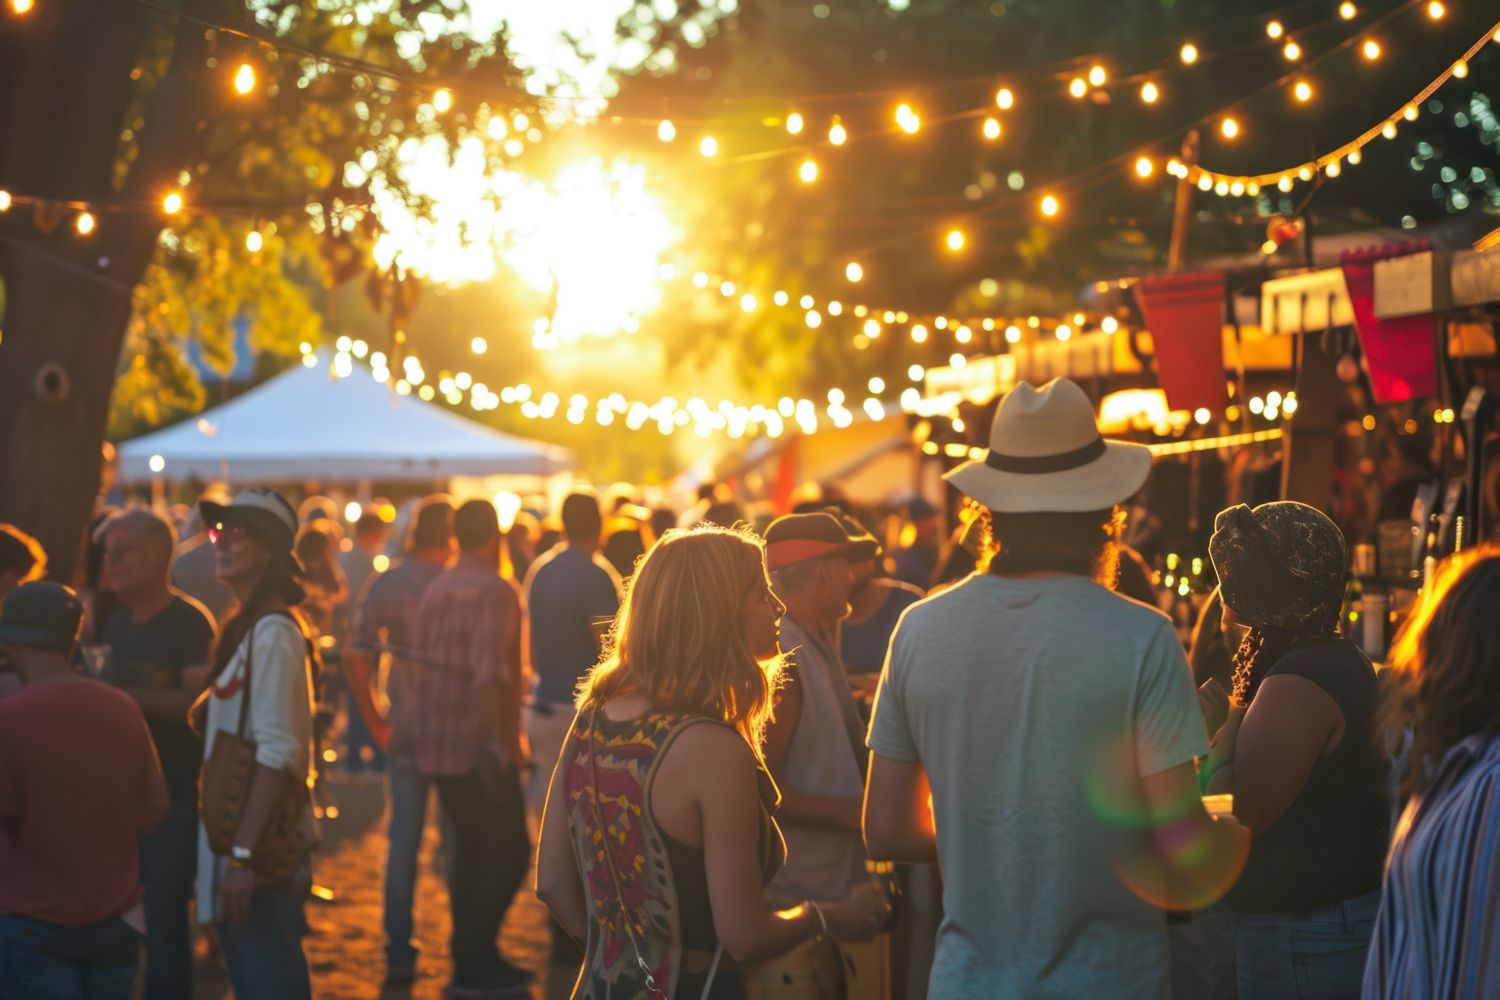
(1446, 663)
(1260, 650)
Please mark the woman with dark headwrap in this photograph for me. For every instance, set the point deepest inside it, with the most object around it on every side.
(1299, 755)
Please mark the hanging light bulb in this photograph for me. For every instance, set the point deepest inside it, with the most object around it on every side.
(1275, 29)
(172, 203)
(1150, 93)
(955, 240)
(244, 78)
(1144, 167)
(1292, 51)
(254, 241)
(1189, 53)
(1460, 69)
(1229, 128)
(907, 119)
(1005, 99)
(1410, 113)
(4, 200)
(808, 171)
(442, 101)
(1303, 91)
(1389, 131)
(85, 223)
(1050, 206)
(1347, 10)
(1371, 49)
(666, 131)
(1355, 156)
(709, 146)
(991, 129)
(1078, 88)
(1097, 76)
(794, 123)
(853, 271)
(22, 6)
(836, 132)
(1436, 10)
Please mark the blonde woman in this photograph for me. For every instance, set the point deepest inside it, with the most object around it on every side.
(658, 838)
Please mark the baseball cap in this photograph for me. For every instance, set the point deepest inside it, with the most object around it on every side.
(41, 613)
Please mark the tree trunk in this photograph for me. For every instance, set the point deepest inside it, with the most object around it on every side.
(65, 83)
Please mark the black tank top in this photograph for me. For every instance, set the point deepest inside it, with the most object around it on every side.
(1330, 844)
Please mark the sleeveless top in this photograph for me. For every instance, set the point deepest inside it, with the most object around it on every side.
(608, 771)
(1330, 844)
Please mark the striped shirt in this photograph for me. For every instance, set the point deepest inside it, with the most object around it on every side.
(469, 623)
(1438, 933)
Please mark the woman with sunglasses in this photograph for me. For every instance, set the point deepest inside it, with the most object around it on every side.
(261, 691)
(657, 839)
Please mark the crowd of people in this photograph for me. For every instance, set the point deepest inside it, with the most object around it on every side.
(769, 756)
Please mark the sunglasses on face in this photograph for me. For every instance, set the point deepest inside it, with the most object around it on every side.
(232, 532)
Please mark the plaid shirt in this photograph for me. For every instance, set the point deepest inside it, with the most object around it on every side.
(469, 623)
(389, 606)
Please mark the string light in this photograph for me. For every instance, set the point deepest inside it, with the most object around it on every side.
(1371, 49)
(1460, 69)
(244, 79)
(1189, 53)
(954, 240)
(1150, 92)
(254, 241)
(709, 147)
(1275, 29)
(1410, 113)
(1078, 88)
(991, 129)
(1292, 51)
(666, 131)
(1436, 10)
(172, 203)
(1144, 167)
(1303, 91)
(907, 120)
(1347, 10)
(1005, 99)
(84, 224)
(4, 200)
(442, 101)
(919, 334)
(837, 134)
(1097, 76)
(854, 272)
(794, 123)
(808, 172)
(22, 6)
(1050, 206)
(1229, 128)
(1012, 334)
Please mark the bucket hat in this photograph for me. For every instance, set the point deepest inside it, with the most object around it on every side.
(263, 513)
(1280, 565)
(1046, 456)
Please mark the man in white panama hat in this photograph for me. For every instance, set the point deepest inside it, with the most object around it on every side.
(1055, 727)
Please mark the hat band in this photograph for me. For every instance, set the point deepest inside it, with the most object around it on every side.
(1032, 465)
(795, 550)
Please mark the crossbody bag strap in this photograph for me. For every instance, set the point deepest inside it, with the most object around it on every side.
(245, 686)
(614, 873)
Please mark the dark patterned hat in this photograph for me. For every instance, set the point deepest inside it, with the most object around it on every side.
(1280, 565)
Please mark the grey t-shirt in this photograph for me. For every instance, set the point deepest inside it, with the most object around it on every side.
(1036, 706)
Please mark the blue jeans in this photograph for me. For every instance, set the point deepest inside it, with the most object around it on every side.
(409, 793)
(169, 866)
(264, 953)
(1318, 955)
(42, 961)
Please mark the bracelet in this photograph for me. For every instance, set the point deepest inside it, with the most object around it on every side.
(822, 920)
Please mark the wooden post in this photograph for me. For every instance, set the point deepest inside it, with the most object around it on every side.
(1308, 452)
(1182, 212)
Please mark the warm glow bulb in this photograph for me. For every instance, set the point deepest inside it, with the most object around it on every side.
(1292, 51)
(991, 129)
(1347, 10)
(709, 146)
(1389, 131)
(666, 131)
(254, 241)
(1303, 90)
(1410, 114)
(1460, 69)
(808, 171)
(794, 123)
(1097, 76)
(853, 271)
(1078, 88)
(837, 133)
(1189, 53)
(1371, 49)
(1050, 206)
(1275, 29)
(1144, 167)
(954, 240)
(1355, 156)
(244, 78)
(1230, 128)
(1150, 93)
(1005, 99)
(1436, 10)
(22, 6)
(4, 200)
(172, 203)
(907, 119)
(84, 223)
(442, 101)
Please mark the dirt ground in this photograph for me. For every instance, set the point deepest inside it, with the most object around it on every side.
(346, 949)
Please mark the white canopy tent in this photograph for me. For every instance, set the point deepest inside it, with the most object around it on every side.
(303, 425)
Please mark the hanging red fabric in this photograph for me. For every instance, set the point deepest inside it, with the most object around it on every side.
(1400, 354)
(1185, 314)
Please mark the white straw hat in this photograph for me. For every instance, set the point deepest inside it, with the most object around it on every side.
(1046, 455)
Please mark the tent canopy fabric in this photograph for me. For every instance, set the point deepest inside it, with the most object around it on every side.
(304, 425)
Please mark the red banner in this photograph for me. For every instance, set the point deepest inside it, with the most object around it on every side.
(1185, 314)
(1400, 354)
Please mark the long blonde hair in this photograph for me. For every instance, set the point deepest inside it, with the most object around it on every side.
(681, 638)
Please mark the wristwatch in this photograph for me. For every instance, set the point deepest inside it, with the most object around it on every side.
(239, 857)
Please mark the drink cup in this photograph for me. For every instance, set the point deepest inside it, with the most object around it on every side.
(1219, 805)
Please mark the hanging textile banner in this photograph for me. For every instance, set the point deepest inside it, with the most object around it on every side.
(1401, 353)
(1185, 314)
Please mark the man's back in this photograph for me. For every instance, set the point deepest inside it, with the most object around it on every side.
(72, 792)
(1035, 707)
(389, 605)
(566, 591)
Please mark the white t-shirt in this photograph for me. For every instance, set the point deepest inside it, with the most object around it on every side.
(279, 721)
(1036, 706)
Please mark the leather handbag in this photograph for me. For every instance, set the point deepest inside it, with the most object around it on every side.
(224, 786)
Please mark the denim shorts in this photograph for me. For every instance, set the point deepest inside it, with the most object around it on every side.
(1317, 955)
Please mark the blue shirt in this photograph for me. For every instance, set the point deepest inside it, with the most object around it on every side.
(567, 590)
(863, 644)
(1037, 707)
(1438, 933)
